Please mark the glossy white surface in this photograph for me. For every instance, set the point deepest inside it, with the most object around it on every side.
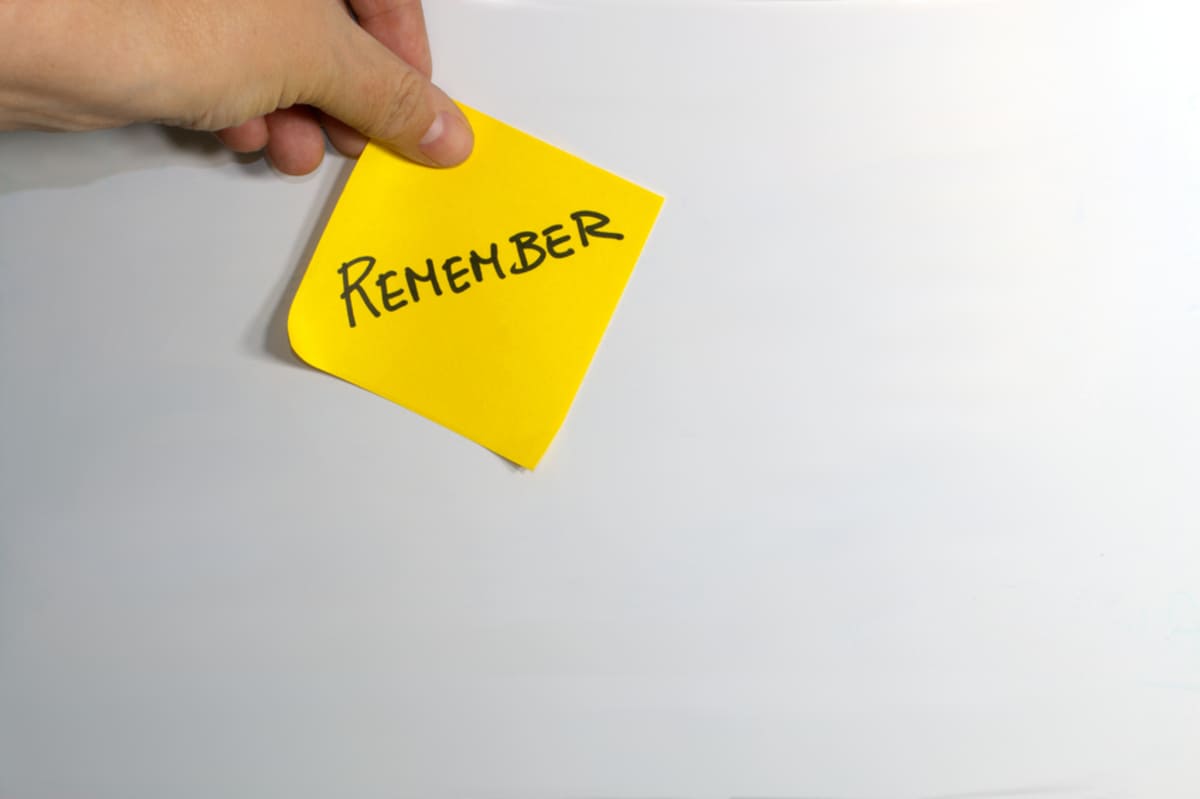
(883, 482)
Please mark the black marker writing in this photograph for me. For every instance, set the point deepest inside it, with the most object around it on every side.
(348, 286)
(529, 251)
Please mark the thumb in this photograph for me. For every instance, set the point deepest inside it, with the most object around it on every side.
(374, 91)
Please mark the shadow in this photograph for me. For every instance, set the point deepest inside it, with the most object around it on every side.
(206, 146)
(272, 339)
(41, 160)
(193, 141)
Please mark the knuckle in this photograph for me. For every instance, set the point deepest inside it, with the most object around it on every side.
(401, 103)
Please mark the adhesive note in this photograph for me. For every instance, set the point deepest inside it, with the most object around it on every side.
(474, 296)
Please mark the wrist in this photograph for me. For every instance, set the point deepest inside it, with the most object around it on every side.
(66, 65)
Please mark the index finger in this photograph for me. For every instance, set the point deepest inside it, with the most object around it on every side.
(400, 26)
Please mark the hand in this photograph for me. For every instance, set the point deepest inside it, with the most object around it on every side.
(253, 71)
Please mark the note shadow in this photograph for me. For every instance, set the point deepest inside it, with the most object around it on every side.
(272, 339)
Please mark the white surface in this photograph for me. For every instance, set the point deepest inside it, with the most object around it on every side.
(883, 483)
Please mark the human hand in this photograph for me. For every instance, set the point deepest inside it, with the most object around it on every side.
(253, 71)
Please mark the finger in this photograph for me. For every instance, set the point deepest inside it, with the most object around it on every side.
(400, 25)
(374, 91)
(296, 146)
(348, 141)
(248, 137)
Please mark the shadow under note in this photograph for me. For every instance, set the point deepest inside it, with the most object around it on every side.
(273, 339)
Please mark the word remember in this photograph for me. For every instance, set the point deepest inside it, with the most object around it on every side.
(459, 273)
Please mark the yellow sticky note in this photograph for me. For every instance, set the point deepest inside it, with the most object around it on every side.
(475, 296)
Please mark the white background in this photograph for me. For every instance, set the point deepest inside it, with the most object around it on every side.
(883, 482)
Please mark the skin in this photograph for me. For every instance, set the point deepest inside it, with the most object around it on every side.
(261, 74)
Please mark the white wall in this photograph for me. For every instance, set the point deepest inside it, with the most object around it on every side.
(882, 484)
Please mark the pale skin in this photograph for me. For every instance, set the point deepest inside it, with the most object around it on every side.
(261, 74)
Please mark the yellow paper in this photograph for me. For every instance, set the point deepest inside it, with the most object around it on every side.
(404, 298)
